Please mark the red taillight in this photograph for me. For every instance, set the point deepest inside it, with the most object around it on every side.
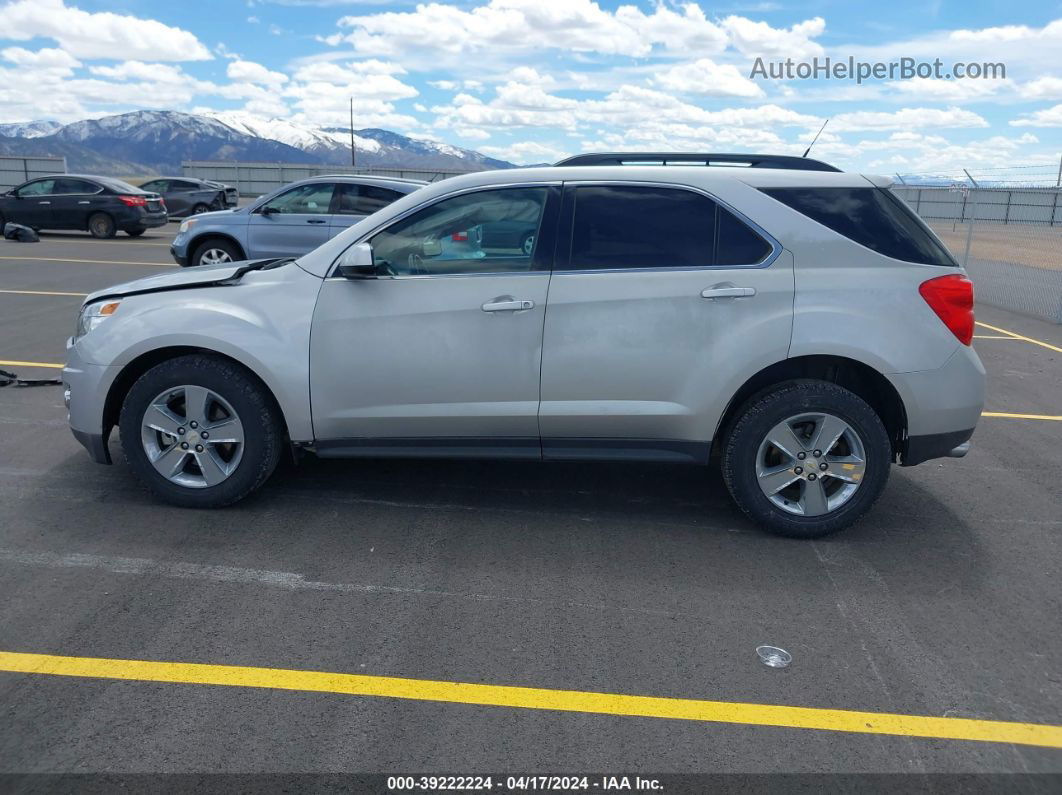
(952, 298)
(459, 237)
(133, 201)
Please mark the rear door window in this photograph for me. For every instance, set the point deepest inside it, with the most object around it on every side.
(872, 217)
(623, 227)
(65, 185)
(363, 199)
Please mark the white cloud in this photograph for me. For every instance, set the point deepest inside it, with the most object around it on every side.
(252, 72)
(502, 27)
(706, 77)
(46, 58)
(934, 90)
(147, 72)
(907, 119)
(525, 152)
(1048, 117)
(99, 35)
(1042, 88)
(760, 39)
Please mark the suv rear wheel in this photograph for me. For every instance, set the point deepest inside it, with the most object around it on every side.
(200, 431)
(806, 458)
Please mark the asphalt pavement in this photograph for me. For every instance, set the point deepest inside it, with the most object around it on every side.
(626, 579)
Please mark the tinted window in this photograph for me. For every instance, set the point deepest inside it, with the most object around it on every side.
(872, 217)
(363, 199)
(180, 186)
(305, 199)
(736, 243)
(447, 237)
(156, 186)
(65, 185)
(38, 188)
(621, 226)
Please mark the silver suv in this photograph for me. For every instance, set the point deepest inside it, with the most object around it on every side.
(801, 323)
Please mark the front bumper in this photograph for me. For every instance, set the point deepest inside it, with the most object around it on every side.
(85, 388)
(179, 256)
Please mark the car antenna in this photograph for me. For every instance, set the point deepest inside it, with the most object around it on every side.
(813, 140)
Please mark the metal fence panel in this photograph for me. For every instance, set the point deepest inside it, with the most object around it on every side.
(16, 170)
(1014, 239)
(254, 179)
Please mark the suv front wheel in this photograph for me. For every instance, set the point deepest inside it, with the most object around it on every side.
(200, 431)
(806, 459)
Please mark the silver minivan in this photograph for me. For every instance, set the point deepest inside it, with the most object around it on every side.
(797, 322)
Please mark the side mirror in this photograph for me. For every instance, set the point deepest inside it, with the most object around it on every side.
(357, 262)
(268, 211)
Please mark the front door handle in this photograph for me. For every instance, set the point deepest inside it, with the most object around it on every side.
(84, 202)
(316, 221)
(728, 292)
(507, 305)
(43, 202)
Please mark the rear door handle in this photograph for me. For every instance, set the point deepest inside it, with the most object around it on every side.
(316, 221)
(728, 292)
(84, 202)
(43, 202)
(508, 305)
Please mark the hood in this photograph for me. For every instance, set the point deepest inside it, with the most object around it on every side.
(200, 276)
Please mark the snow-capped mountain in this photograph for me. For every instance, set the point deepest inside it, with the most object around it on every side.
(29, 129)
(156, 141)
(374, 147)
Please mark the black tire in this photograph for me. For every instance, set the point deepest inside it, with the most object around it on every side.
(135, 232)
(200, 208)
(3, 223)
(215, 244)
(769, 408)
(262, 428)
(101, 226)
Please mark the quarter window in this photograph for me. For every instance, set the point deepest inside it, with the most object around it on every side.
(456, 235)
(304, 200)
(872, 217)
(641, 226)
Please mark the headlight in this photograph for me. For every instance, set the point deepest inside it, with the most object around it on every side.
(92, 315)
(186, 225)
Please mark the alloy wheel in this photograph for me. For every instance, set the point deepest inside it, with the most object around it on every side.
(192, 436)
(811, 464)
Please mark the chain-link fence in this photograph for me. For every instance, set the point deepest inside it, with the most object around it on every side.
(1008, 239)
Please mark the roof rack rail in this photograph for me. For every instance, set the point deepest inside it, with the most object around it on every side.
(696, 159)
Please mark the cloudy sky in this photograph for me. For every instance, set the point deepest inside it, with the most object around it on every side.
(532, 80)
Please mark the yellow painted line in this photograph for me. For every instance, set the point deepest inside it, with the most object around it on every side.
(839, 720)
(1016, 336)
(10, 363)
(92, 261)
(1008, 415)
(995, 337)
(39, 292)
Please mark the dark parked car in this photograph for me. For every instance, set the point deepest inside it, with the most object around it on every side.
(509, 234)
(187, 196)
(100, 205)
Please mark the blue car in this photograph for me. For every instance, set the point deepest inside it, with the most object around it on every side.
(289, 222)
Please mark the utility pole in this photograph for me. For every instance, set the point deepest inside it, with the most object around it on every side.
(353, 162)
